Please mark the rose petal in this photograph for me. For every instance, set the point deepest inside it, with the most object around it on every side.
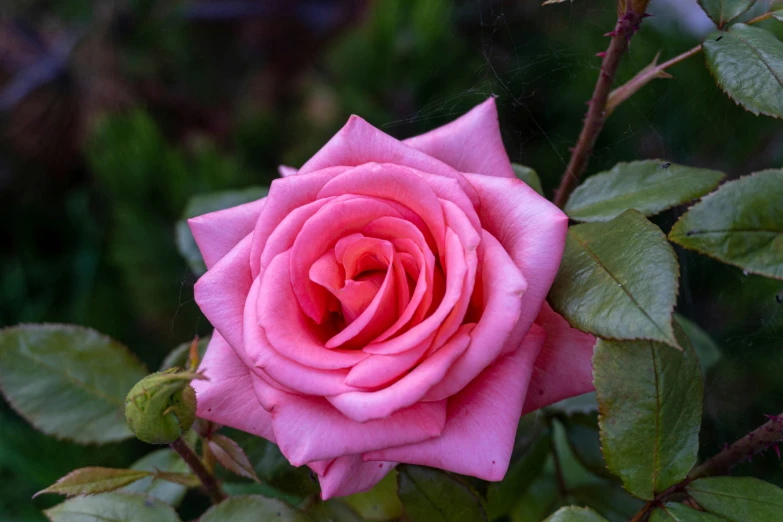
(286, 171)
(377, 370)
(531, 229)
(288, 331)
(503, 288)
(222, 291)
(362, 406)
(285, 195)
(348, 475)
(218, 232)
(456, 271)
(309, 428)
(471, 143)
(294, 376)
(564, 368)
(482, 420)
(227, 396)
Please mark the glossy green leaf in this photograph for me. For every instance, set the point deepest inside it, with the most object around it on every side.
(68, 381)
(747, 63)
(333, 510)
(380, 503)
(431, 495)
(675, 512)
(523, 470)
(529, 176)
(738, 499)
(89, 481)
(649, 186)
(179, 356)
(203, 204)
(740, 224)
(253, 508)
(618, 280)
(163, 460)
(114, 507)
(705, 347)
(575, 514)
(778, 15)
(231, 456)
(585, 403)
(650, 400)
(724, 11)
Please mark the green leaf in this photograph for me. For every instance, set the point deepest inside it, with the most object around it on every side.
(163, 460)
(523, 470)
(333, 510)
(585, 403)
(380, 503)
(705, 347)
(778, 15)
(747, 63)
(231, 456)
(179, 356)
(114, 507)
(575, 514)
(724, 11)
(585, 442)
(740, 224)
(607, 499)
(541, 499)
(618, 280)
(738, 499)
(431, 495)
(650, 400)
(68, 381)
(89, 481)
(674, 512)
(649, 186)
(253, 508)
(204, 204)
(529, 176)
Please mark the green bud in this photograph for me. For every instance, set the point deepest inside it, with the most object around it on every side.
(162, 406)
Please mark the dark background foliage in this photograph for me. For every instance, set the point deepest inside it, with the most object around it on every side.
(114, 114)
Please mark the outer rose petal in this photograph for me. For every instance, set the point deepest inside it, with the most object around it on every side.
(349, 475)
(222, 291)
(227, 397)
(533, 232)
(564, 367)
(482, 420)
(471, 143)
(309, 428)
(286, 171)
(218, 232)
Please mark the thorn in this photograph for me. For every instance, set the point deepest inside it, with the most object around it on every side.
(601, 54)
(647, 15)
(725, 446)
(612, 34)
(777, 449)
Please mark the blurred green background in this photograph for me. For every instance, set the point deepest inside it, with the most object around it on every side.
(114, 114)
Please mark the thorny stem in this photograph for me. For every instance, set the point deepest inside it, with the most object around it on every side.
(623, 92)
(758, 440)
(626, 26)
(207, 479)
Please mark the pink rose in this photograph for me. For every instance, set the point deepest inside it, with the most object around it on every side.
(385, 304)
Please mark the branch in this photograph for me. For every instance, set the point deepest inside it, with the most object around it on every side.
(216, 495)
(758, 440)
(596, 115)
(653, 71)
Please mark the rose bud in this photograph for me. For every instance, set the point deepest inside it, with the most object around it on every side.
(385, 303)
(161, 406)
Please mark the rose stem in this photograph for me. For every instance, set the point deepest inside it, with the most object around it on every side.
(593, 126)
(758, 440)
(216, 495)
(626, 26)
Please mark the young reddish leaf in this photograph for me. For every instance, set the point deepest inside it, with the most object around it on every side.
(231, 456)
(89, 481)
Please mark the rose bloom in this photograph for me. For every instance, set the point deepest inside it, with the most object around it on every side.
(385, 304)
